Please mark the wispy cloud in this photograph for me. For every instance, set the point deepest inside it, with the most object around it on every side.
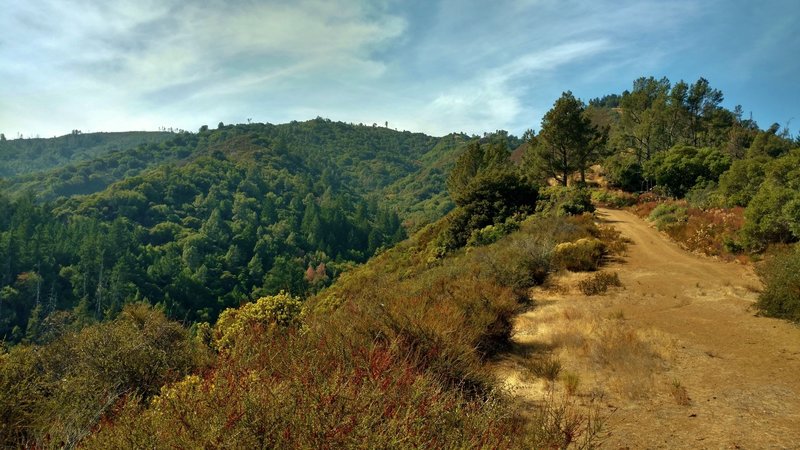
(493, 99)
(167, 58)
(435, 66)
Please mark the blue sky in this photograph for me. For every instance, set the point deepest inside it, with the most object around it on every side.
(422, 65)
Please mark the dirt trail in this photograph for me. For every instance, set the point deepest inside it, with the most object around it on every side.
(693, 317)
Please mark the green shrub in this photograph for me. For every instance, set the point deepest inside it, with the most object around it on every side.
(781, 278)
(704, 195)
(582, 255)
(489, 199)
(741, 182)
(624, 172)
(492, 233)
(520, 262)
(599, 283)
(667, 215)
(773, 215)
(565, 201)
(613, 199)
(682, 167)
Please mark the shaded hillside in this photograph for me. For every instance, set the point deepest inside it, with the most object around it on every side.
(25, 156)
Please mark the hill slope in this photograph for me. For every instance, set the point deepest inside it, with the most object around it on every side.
(205, 221)
(25, 156)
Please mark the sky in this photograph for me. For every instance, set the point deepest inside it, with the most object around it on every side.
(435, 66)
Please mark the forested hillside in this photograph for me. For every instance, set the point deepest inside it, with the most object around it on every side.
(393, 356)
(677, 140)
(207, 220)
(706, 175)
(25, 156)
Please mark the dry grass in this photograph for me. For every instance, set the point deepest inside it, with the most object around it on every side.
(679, 393)
(547, 368)
(571, 382)
(601, 350)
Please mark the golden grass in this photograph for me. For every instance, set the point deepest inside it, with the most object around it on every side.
(599, 351)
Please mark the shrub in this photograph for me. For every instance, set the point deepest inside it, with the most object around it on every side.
(773, 215)
(281, 310)
(75, 381)
(492, 233)
(682, 167)
(704, 195)
(582, 255)
(571, 382)
(521, 262)
(741, 182)
(623, 171)
(614, 199)
(667, 215)
(298, 393)
(565, 201)
(490, 199)
(547, 368)
(781, 278)
(599, 283)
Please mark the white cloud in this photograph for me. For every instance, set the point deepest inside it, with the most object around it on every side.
(438, 66)
(493, 99)
(166, 59)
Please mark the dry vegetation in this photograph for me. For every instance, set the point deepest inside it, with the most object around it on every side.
(393, 356)
(712, 232)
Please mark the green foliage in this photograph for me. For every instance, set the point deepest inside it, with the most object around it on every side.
(773, 215)
(492, 233)
(622, 170)
(781, 278)
(24, 156)
(705, 195)
(525, 259)
(567, 142)
(582, 255)
(565, 201)
(741, 182)
(394, 361)
(682, 167)
(245, 213)
(489, 199)
(614, 199)
(475, 160)
(768, 143)
(668, 215)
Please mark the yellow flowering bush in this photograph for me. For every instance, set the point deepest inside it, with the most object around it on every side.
(581, 255)
(281, 310)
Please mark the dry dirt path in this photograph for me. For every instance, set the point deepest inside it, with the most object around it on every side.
(692, 317)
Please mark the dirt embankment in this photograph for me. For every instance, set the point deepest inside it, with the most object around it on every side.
(675, 358)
